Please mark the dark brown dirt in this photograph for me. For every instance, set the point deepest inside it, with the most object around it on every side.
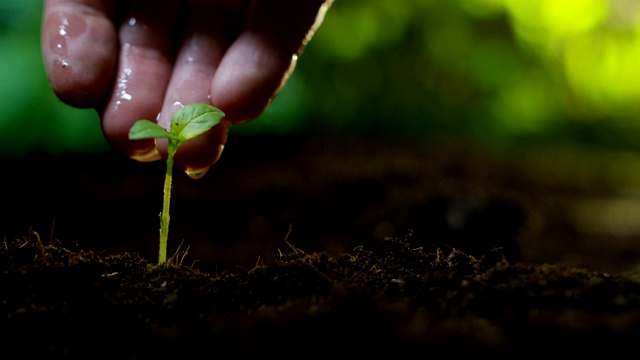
(316, 248)
(391, 300)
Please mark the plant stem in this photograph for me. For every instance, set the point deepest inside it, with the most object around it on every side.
(164, 217)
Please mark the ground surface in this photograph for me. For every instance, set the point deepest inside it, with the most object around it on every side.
(294, 246)
(390, 300)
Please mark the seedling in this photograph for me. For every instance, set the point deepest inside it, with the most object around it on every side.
(186, 123)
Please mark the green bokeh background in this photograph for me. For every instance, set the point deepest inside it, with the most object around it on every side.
(499, 72)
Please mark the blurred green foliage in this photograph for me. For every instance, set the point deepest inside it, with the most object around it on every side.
(496, 71)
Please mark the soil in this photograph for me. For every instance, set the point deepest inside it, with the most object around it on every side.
(311, 248)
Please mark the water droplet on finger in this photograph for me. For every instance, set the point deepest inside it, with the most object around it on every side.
(67, 27)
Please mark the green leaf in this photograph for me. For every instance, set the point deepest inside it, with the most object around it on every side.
(186, 123)
(194, 119)
(145, 129)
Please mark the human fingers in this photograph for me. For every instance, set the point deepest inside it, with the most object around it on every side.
(260, 60)
(143, 71)
(79, 46)
(209, 29)
(252, 71)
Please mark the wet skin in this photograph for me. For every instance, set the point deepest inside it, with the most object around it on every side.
(134, 60)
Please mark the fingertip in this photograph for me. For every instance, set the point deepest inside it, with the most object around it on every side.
(145, 150)
(198, 172)
(79, 48)
(198, 155)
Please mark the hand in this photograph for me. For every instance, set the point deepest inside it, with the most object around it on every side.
(140, 59)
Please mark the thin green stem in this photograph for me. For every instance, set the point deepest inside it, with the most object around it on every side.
(164, 218)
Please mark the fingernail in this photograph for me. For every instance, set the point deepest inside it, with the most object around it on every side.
(196, 174)
(148, 155)
(220, 149)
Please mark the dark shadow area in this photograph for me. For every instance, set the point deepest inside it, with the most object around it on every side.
(319, 194)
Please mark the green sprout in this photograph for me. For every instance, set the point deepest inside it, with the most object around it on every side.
(186, 123)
